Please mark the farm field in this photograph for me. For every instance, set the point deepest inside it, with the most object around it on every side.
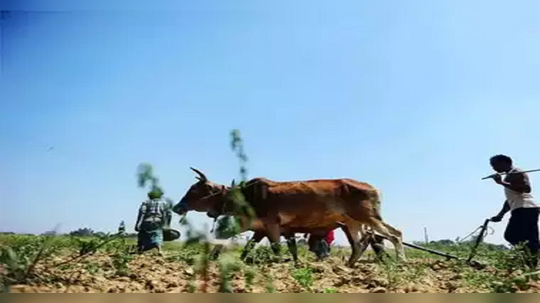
(92, 264)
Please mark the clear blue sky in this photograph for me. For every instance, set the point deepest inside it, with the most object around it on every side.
(412, 97)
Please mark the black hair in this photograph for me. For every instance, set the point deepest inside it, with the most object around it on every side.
(501, 158)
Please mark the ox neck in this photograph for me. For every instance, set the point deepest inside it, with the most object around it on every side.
(226, 205)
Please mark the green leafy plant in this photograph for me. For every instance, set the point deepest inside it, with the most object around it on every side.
(227, 265)
(330, 290)
(304, 276)
(249, 276)
(121, 263)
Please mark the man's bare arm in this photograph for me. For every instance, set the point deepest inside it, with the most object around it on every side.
(142, 211)
(500, 215)
(505, 209)
(517, 182)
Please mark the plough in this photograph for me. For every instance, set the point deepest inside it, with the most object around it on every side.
(370, 239)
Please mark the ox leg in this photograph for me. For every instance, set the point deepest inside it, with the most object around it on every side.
(377, 245)
(257, 237)
(352, 231)
(392, 234)
(293, 249)
(273, 233)
(216, 251)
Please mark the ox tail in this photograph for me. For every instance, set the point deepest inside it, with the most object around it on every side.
(375, 197)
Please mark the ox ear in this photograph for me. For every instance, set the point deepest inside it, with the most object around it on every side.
(201, 176)
(261, 190)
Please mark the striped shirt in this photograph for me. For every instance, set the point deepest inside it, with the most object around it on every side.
(154, 210)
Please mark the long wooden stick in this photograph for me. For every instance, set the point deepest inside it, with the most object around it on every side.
(517, 172)
(435, 252)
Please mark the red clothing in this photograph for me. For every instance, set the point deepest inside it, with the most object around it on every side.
(329, 237)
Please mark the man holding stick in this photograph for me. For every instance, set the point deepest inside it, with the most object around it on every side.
(523, 224)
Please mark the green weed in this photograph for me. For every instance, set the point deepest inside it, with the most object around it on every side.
(304, 276)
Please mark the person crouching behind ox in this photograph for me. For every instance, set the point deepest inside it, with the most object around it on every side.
(321, 246)
(154, 215)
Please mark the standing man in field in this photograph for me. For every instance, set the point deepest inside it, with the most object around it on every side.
(154, 215)
(523, 224)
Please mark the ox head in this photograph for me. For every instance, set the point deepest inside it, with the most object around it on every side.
(202, 196)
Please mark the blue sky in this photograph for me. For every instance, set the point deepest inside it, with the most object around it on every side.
(411, 97)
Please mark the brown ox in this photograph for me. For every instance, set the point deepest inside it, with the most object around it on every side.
(299, 205)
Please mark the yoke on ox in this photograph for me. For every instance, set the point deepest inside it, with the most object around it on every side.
(298, 205)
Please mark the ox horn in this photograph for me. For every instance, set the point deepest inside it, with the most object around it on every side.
(201, 177)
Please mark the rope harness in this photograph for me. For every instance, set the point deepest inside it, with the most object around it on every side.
(223, 192)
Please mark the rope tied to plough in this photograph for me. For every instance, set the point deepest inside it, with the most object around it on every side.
(482, 235)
